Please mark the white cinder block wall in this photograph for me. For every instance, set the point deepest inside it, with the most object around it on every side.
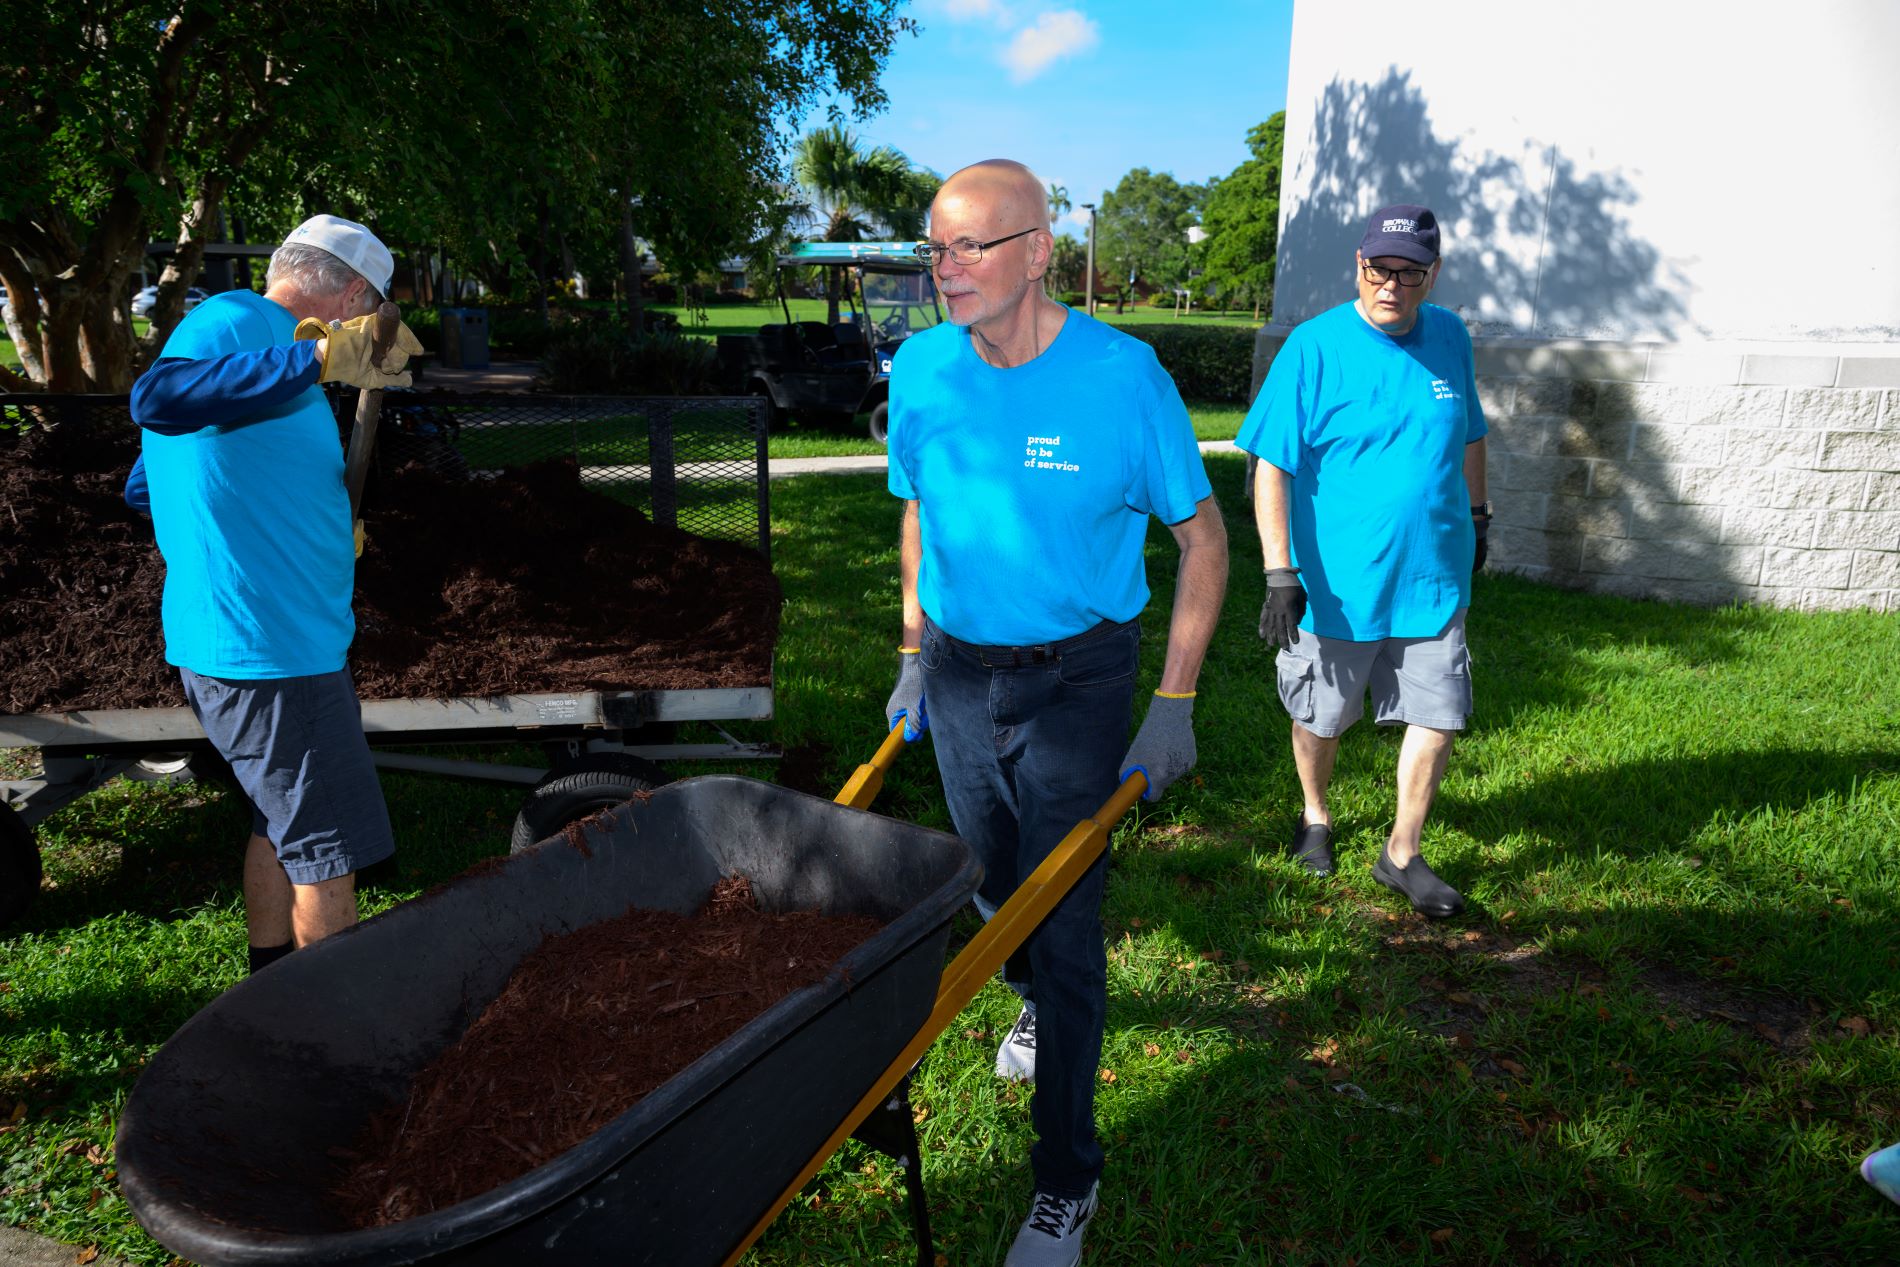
(1685, 308)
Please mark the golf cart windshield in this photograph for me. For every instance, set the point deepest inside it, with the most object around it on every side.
(899, 302)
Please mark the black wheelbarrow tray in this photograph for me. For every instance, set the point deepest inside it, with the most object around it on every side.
(224, 1144)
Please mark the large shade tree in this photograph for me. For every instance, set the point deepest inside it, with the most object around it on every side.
(1141, 233)
(1242, 219)
(503, 130)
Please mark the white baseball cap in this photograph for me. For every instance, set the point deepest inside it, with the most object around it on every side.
(350, 242)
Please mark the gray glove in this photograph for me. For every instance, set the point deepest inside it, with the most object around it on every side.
(1164, 746)
(907, 700)
(1285, 607)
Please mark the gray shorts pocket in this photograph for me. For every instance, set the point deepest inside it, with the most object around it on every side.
(1296, 685)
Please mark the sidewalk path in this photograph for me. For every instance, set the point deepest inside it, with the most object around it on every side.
(21, 1248)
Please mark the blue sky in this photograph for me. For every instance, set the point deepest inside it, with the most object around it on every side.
(1084, 90)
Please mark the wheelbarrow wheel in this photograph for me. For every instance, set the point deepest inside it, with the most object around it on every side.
(580, 789)
(19, 866)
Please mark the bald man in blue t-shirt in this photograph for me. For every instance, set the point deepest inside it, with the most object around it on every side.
(1030, 444)
(1370, 500)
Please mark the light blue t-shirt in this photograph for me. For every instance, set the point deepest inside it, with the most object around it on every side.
(1034, 484)
(1373, 430)
(252, 518)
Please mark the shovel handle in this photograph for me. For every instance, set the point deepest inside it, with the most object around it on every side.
(369, 406)
(383, 331)
(978, 962)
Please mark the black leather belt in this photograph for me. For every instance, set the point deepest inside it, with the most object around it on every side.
(1036, 653)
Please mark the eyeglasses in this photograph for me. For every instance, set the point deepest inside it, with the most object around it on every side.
(1407, 276)
(963, 251)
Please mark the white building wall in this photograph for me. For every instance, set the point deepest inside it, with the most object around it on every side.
(1667, 227)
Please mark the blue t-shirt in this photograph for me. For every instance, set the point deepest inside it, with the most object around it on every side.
(1373, 430)
(1034, 484)
(250, 514)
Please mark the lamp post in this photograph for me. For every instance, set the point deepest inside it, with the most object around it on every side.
(1088, 303)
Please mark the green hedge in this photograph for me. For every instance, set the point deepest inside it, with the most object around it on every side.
(1207, 362)
(598, 356)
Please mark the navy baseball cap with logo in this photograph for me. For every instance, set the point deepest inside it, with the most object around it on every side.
(1409, 232)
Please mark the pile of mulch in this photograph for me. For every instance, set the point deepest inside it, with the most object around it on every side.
(80, 579)
(528, 582)
(589, 1024)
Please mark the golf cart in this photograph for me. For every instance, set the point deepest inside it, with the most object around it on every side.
(886, 294)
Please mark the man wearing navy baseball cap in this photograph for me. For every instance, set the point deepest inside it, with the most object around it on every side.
(243, 474)
(1370, 501)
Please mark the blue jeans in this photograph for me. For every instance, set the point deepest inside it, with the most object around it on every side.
(1027, 749)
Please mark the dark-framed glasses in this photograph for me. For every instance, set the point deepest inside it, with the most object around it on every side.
(963, 251)
(1407, 277)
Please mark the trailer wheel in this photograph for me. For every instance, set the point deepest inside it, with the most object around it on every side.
(881, 422)
(580, 789)
(19, 866)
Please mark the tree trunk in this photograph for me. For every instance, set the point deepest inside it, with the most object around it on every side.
(631, 260)
(543, 261)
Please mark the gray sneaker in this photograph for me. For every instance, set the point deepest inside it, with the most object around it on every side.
(1016, 1057)
(1052, 1234)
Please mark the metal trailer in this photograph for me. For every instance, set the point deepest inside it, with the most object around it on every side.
(692, 462)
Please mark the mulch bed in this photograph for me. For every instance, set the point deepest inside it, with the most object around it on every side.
(588, 1025)
(525, 583)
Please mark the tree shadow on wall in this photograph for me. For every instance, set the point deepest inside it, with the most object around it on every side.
(1375, 145)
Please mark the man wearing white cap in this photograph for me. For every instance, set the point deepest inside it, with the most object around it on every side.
(241, 458)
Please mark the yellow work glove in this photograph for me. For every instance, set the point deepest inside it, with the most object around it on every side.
(360, 538)
(346, 353)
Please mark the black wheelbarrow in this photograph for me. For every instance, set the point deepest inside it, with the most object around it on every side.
(223, 1148)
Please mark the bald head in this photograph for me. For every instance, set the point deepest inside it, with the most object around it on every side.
(997, 189)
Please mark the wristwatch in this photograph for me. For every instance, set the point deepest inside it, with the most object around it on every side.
(1481, 511)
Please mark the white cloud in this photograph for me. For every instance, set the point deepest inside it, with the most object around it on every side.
(1074, 223)
(1063, 33)
(971, 10)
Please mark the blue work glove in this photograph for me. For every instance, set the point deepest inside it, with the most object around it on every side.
(907, 701)
(1481, 524)
(1164, 746)
(1285, 607)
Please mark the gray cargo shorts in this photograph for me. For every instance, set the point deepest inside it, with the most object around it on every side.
(297, 748)
(1413, 681)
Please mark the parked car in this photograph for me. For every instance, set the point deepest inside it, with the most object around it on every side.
(143, 301)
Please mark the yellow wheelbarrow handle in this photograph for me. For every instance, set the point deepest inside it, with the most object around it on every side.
(998, 939)
(863, 786)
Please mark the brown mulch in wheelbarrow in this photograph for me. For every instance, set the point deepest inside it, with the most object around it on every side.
(524, 583)
(589, 1024)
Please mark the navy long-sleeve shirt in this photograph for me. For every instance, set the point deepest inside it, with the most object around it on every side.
(177, 396)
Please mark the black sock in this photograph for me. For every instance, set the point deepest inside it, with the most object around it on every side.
(264, 956)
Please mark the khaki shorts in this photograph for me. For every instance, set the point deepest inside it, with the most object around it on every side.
(1414, 681)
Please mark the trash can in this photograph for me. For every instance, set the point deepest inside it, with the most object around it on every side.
(474, 338)
(450, 352)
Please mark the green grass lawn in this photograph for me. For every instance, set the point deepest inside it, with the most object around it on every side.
(1664, 1033)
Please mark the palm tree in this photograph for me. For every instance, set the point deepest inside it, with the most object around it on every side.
(1067, 262)
(1059, 204)
(857, 194)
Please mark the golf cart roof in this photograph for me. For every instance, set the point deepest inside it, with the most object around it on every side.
(899, 255)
